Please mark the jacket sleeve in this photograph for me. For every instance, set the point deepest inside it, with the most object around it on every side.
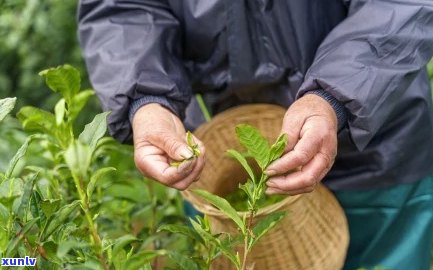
(371, 58)
(132, 50)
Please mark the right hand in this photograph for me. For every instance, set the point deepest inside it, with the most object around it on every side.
(159, 139)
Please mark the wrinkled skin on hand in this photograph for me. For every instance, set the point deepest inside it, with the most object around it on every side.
(159, 139)
(311, 126)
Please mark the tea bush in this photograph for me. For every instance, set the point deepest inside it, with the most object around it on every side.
(70, 208)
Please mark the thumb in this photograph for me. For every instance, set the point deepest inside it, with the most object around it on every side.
(171, 143)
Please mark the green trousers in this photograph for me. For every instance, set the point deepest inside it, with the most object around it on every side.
(390, 228)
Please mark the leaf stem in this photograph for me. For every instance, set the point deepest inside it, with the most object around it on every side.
(206, 114)
(94, 233)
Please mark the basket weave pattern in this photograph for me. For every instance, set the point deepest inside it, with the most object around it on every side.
(314, 235)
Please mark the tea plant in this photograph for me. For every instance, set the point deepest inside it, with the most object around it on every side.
(213, 245)
(70, 210)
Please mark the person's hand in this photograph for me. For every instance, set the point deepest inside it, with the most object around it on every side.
(311, 126)
(159, 139)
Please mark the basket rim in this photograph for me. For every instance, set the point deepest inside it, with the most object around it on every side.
(209, 209)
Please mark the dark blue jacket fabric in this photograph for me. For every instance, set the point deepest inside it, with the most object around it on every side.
(368, 55)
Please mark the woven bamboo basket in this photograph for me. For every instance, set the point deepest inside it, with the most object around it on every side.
(313, 236)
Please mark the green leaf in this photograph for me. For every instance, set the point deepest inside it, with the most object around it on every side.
(49, 206)
(6, 106)
(122, 242)
(78, 103)
(277, 149)
(257, 146)
(94, 131)
(241, 159)
(37, 120)
(14, 243)
(142, 258)
(66, 246)
(63, 79)
(192, 144)
(182, 261)
(248, 187)
(59, 218)
(35, 207)
(118, 253)
(203, 232)
(4, 240)
(10, 190)
(181, 229)
(19, 155)
(4, 215)
(59, 111)
(226, 247)
(223, 205)
(78, 158)
(96, 177)
(265, 225)
(50, 248)
(25, 198)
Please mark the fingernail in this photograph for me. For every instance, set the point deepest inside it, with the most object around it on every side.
(269, 191)
(270, 172)
(270, 183)
(186, 153)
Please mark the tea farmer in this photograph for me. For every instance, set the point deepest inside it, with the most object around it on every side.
(351, 72)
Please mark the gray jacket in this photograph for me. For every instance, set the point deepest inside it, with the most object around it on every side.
(367, 57)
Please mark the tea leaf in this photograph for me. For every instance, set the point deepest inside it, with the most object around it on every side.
(25, 198)
(59, 218)
(37, 120)
(94, 131)
(96, 177)
(78, 103)
(140, 259)
(6, 106)
(4, 239)
(226, 247)
(121, 242)
(264, 226)
(257, 146)
(235, 154)
(182, 261)
(200, 227)
(59, 111)
(63, 79)
(181, 229)
(19, 155)
(49, 207)
(14, 243)
(189, 139)
(65, 246)
(222, 205)
(78, 158)
(50, 248)
(34, 207)
(277, 149)
(10, 190)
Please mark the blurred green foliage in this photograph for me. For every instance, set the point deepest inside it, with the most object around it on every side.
(34, 35)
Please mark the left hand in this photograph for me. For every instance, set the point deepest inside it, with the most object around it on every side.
(311, 126)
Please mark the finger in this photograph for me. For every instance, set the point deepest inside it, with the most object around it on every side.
(307, 177)
(153, 162)
(192, 177)
(274, 191)
(303, 152)
(172, 144)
